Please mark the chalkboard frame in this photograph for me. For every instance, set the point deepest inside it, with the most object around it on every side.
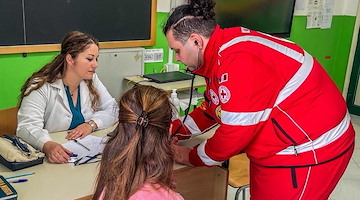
(103, 45)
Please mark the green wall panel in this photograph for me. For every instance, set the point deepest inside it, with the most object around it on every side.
(160, 43)
(334, 42)
(331, 47)
(15, 69)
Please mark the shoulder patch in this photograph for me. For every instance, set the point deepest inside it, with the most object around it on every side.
(224, 94)
(224, 77)
(218, 112)
(203, 106)
(214, 97)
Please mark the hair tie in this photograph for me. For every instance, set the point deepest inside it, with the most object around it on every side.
(143, 119)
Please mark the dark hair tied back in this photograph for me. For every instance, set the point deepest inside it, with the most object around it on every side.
(203, 8)
(196, 17)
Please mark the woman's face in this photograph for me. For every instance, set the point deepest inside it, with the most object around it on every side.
(86, 62)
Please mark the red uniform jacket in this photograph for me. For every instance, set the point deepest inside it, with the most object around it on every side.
(271, 99)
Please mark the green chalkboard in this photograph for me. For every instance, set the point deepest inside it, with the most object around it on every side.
(39, 25)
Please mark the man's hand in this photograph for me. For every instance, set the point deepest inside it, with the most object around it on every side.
(181, 153)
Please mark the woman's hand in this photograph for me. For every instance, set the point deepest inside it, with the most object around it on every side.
(56, 153)
(80, 131)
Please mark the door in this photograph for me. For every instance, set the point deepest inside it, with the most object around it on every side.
(353, 96)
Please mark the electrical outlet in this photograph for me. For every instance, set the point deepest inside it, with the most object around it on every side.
(176, 67)
(171, 67)
(168, 67)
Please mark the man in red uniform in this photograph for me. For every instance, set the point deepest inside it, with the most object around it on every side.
(272, 101)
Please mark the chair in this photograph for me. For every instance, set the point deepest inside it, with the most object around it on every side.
(8, 121)
(238, 167)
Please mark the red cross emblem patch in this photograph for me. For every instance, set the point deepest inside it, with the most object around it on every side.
(214, 97)
(224, 94)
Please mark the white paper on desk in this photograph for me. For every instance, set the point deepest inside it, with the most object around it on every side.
(94, 143)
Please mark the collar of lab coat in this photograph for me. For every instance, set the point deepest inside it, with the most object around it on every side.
(59, 85)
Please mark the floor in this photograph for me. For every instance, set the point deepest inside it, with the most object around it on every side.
(349, 186)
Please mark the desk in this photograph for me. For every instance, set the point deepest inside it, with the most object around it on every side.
(179, 85)
(66, 181)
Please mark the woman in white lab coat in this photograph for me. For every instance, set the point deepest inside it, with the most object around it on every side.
(65, 94)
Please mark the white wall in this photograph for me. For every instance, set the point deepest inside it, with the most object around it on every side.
(352, 54)
(166, 5)
(341, 7)
(163, 5)
(350, 7)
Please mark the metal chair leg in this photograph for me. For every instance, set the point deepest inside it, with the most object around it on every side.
(241, 189)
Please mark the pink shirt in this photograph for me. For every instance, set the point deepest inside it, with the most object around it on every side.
(153, 192)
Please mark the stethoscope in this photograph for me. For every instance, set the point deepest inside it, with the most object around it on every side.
(23, 147)
(188, 108)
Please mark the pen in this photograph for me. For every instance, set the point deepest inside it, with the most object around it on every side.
(19, 175)
(81, 145)
(18, 181)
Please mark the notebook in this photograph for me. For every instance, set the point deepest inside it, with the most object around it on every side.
(168, 76)
(6, 190)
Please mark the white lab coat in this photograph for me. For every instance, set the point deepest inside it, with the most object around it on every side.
(47, 110)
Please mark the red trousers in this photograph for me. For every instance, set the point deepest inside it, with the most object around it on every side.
(306, 183)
